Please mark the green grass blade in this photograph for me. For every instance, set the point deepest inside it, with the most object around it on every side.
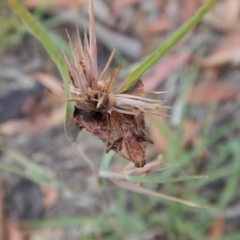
(106, 159)
(28, 163)
(27, 168)
(165, 47)
(36, 29)
(64, 222)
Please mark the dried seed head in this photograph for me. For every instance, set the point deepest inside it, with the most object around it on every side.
(95, 93)
(116, 119)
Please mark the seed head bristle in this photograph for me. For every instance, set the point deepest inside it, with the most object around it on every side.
(98, 91)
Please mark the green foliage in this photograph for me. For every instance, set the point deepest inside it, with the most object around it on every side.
(9, 25)
(26, 168)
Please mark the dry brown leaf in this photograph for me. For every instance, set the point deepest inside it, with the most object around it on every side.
(161, 4)
(191, 138)
(37, 112)
(217, 229)
(159, 26)
(118, 6)
(224, 15)
(190, 130)
(159, 139)
(50, 197)
(162, 70)
(49, 81)
(42, 122)
(72, 4)
(207, 93)
(187, 9)
(14, 231)
(228, 52)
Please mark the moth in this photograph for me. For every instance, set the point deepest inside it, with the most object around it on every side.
(123, 133)
(115, 118)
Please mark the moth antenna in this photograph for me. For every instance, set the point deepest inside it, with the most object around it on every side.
(109, 127)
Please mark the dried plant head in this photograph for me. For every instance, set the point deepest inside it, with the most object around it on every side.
(93, 92)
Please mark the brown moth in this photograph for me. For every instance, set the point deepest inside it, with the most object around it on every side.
(115, 118)
(123, 133)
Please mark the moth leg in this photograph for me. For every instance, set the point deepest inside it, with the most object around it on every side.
(130, 157)
(137, 164)
(109, 130)
(110, 146)
(143, 136)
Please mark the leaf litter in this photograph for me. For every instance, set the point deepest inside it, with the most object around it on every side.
(227, 52)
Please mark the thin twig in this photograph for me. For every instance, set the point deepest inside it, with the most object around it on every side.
(135, 188)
